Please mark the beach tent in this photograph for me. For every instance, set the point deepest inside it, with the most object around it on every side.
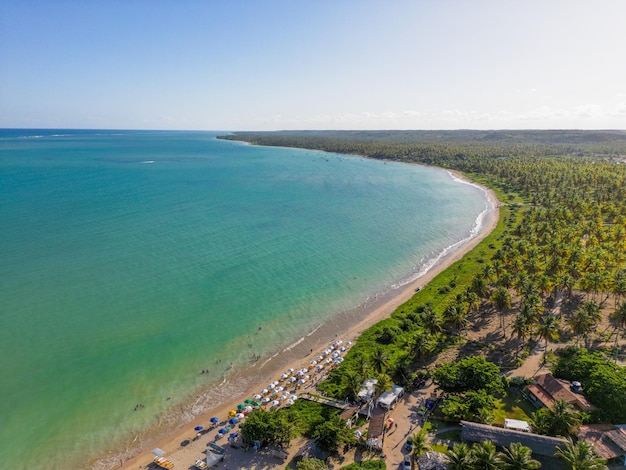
(212, 459)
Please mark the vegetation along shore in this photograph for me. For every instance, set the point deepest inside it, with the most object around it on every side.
(546, 289)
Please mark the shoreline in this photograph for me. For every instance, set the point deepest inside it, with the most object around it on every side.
(349, 324)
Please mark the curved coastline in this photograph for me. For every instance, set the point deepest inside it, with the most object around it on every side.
(352, 323)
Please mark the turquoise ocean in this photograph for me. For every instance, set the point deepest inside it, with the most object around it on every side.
(132, 260)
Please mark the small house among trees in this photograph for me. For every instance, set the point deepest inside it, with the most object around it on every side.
(547, 389)
(608, 441)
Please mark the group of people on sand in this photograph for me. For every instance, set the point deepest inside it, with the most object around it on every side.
(139, 406)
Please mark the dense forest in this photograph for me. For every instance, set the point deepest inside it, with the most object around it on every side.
(551, 275)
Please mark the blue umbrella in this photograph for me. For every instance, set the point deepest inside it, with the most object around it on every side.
(222, 431)
(233, 435)
(198, 428)
(214, 420)
(233, 420)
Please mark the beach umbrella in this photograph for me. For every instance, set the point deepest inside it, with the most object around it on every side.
(256, 396)
(265, 400)
(275, 403)
(233, 421)
(284, 376)
(198, 428)
(233, 435)
(247, 401)
(264, 391)
(214, 420)
(313, 363)
(232, 413)
(240, 416)
(319, 358)
(290, 371)
(158, 452)
(271, 386)
(249, 408)
(223, 431)
(293, 397)
(342, 349)
(241, 406)
(256, 404)
(291, 380)
(274, 392)
(301, 382)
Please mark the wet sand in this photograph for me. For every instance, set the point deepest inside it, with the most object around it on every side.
(346, 326)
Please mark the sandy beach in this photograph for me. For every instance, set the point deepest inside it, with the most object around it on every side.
(346, 327)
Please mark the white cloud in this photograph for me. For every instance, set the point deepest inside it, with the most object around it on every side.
(588, 111)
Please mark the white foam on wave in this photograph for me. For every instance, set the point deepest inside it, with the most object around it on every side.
(314, 330)
(148, 161)
(293, 345)
(478, 226)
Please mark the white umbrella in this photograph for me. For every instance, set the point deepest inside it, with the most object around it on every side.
(313, 363)
(328, 361)
(271, 386)
(291, 380)
(158, 452)
(301, 382)
(290, 371)
(274, 392)
(264, 391)
(293, 397)
(335, 354)
(256, 396)
(342, 349)
(284, 376)
(320, 358)
(240, 416)
(249, 408)
(275, 403)
(265, 400)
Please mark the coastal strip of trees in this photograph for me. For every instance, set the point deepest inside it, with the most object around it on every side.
(552, 273)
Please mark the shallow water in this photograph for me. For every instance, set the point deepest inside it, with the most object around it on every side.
(134, 260)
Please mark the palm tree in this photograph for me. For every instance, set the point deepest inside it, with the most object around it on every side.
(379, 359)
(485, 456)
(420, 444)
(456, 316)
(548, 328)
(563, 417)
(520, 329)
(618, 317)
(580, 456)
(382, 385)
(518, 457)
(459, 457)
(421, 345)
(353, 382)
(581, 324)
(501, 298)
(433, 320)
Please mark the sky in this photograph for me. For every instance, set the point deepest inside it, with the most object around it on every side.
(324, 64)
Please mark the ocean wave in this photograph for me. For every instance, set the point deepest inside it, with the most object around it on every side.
(314, 330)
(478, 226)
(293, 345)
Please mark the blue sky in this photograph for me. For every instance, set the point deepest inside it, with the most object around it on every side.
(325, 64)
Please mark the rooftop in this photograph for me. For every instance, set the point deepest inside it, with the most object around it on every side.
(607, 440)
